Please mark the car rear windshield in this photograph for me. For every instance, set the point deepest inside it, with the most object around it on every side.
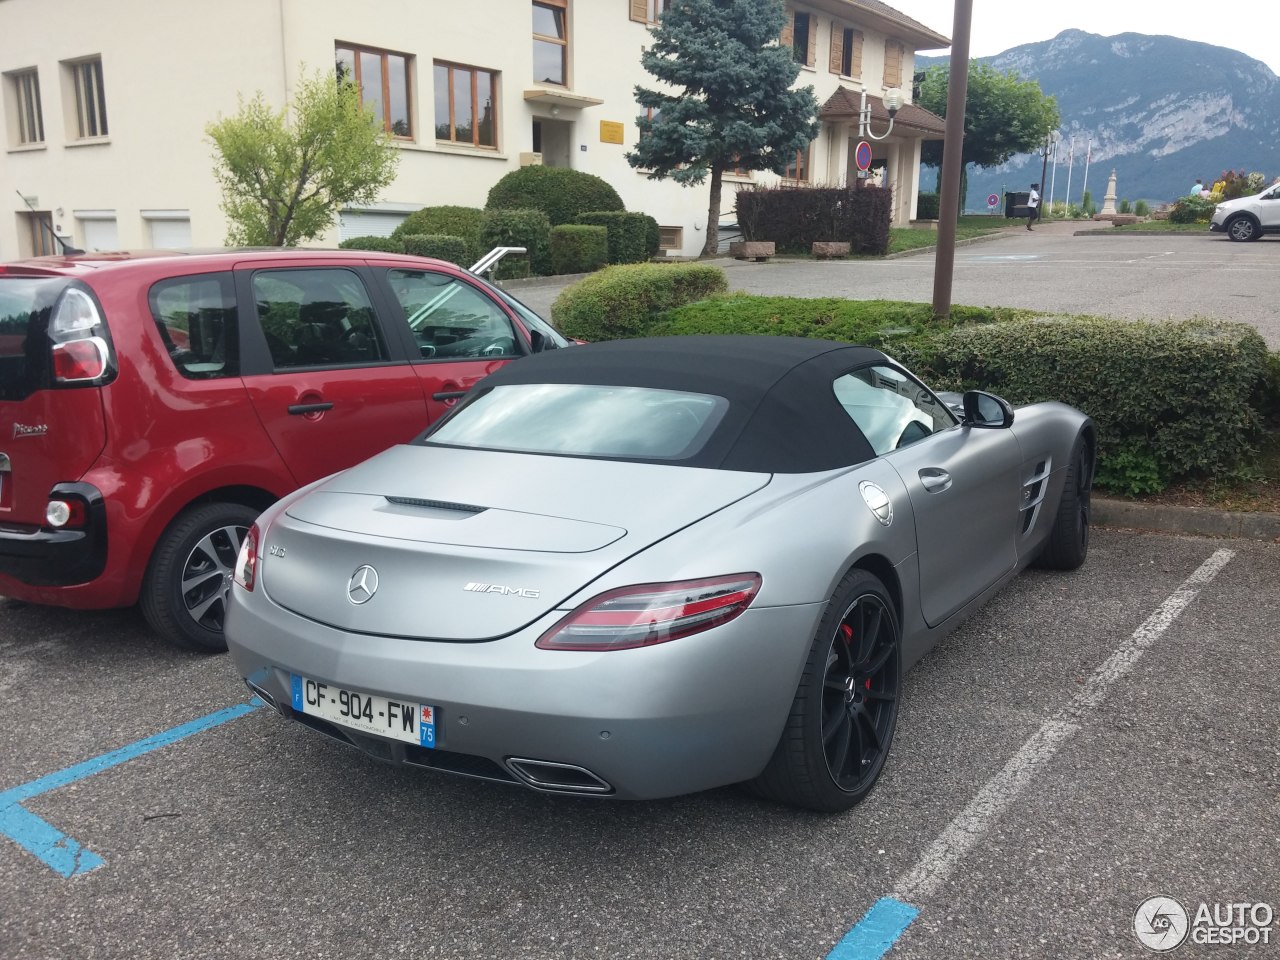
(25, 303)
(568, 419)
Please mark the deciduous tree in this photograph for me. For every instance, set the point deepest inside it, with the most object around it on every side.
(727, 101)
(285, 174)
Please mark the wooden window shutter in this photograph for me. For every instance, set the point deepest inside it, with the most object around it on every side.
(640, 11)
(813, 41)
(855, 61)
(787, 38)
(837, 49)
(893, 51)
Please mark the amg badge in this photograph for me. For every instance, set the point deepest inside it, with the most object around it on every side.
(505, 591)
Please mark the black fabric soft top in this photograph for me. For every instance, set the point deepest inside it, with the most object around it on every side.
(783, 415)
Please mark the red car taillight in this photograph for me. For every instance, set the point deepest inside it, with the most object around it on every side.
(82, 350)
(649, 613)
(247, 562)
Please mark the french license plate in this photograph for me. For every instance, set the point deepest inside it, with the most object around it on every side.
(367, 712)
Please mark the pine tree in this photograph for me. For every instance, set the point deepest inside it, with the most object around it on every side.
(727, 101)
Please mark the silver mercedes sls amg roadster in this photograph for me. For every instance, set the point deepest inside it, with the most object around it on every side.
(650, 567)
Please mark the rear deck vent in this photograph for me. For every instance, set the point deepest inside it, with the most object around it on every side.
(436, 504)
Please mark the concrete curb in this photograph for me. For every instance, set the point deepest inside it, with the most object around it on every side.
(1186, 521)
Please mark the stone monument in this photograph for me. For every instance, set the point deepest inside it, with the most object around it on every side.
(1109, 200)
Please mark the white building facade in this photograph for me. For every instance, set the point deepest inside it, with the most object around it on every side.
(105, 105)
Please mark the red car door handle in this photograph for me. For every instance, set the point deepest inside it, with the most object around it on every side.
(302, 409)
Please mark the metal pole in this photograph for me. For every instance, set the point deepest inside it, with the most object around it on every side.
(1088, 155)
(1071, 162)
(1053, 177)
(952, 159)
(1044, 168)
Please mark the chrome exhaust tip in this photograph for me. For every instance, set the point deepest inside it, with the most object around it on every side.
(262, 695)
(555, 777)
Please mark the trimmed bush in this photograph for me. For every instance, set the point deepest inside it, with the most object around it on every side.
(794, 217)
(380, 244)
(518, 228)
(441, 246)
(628, 233)
(625, 301)
(868, 322)
(1171, 400)
(1142, 208)
(558, 192)
(578, 248)
(652, 237)
(449, 221)
(927, 205)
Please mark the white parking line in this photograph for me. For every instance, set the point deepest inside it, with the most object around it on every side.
(964, 832)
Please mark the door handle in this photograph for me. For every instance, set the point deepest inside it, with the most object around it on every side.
(302, 409)
(446, 395)
(935, 480)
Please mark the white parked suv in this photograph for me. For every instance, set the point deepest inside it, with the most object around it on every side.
(1248, 218)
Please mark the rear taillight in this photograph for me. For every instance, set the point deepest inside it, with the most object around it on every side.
(70, 513)
(649, 613)
(247, 562)
(82, 350)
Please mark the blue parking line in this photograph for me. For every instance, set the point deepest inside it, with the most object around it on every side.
(874, 935)
(55, 849)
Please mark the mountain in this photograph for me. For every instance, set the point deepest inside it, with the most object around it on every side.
(1161, 112)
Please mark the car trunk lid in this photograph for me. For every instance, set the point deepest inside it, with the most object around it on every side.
(47, 435)
(471, 544)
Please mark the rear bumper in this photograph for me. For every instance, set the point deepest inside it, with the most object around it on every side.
(675, 718)
(42, 557)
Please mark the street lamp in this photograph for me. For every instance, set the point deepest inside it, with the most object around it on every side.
(1050, 141)
(893, 101)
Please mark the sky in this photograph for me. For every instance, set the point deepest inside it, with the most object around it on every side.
(1250, 26)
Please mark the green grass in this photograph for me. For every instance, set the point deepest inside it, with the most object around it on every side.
(902, 239)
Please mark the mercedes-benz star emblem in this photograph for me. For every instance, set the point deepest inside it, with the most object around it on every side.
(362, 585)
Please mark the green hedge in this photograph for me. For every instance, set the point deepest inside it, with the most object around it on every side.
(625, 301)
(652, 237)
(380, 244)
(927, 206)
(1192, 210)
(558, 192)
(869, 322)
(464, 222)
(628, 233)
(1171, 400)
(518, 228)
(578, 249)
(441, 246)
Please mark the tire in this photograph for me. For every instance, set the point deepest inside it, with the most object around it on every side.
(1068, 543)
(842, 720)
(200, 547)
(1242, 228)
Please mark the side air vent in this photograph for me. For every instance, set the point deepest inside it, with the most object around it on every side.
(1033, 491)
(436, 504)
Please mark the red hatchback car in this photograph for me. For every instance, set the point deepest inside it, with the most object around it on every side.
(152, 404)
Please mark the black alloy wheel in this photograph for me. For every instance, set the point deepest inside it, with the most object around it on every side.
(837, 735)
(1068, 543)
(860, 689)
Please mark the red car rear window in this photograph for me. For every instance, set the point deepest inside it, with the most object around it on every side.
(25, 303)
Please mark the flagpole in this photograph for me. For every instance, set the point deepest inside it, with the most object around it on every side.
(1071, 162)
(1053, 176)
(1088, 155)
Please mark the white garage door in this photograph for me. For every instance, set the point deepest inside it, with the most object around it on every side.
(100, 235)
(367, 223)
(170, 234)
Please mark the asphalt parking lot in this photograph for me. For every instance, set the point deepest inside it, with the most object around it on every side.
(1088, 741)
(1124, 275)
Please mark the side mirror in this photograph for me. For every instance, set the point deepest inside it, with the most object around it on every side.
(986, 410)
(537, 341)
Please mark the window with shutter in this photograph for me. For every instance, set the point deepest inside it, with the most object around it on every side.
(804, 37)
(893, 54)
(836, 61)
(647, 11)
(811, 48)
(853, 53)
(788, 35)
